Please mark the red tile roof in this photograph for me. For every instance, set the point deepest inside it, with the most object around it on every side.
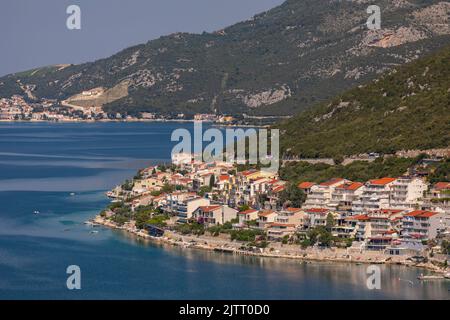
(361, 217)
(305, 185)
(421, 214)
(317, 210)
(209, 208)
(293, 209)
(278, 189)
(382, 181)
(248, 172)
(248, 211)
(265, 213)
(350, 186)
(442, 185)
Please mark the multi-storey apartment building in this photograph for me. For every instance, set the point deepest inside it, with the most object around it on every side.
(184, 206)
(376, 195)
(214, 215)
(246, 216)
(422, 225)
(407, 192)
(320, 195)
(344, 194)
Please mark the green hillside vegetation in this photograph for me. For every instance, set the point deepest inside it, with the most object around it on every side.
(408, 108)
(359, 171)
(277, 63)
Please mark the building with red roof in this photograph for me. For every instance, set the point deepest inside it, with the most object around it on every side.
(422, 225)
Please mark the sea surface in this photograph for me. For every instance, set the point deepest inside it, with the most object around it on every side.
(63, 171)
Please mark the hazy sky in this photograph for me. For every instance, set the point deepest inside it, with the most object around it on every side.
(33, 33)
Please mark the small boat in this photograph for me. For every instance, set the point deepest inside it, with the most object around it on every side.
(36, 212)
(430, 277)
(94, 231)
(72, 194)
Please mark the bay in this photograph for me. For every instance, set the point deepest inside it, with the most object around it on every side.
(41, 164)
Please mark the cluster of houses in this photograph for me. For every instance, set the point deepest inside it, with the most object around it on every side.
(14, 108)
(17, 108)
(395, 214)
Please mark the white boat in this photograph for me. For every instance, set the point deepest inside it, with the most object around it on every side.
(72, 194)
(36, 212)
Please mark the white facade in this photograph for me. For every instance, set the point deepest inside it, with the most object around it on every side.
(320, 195)
(407, 193)
(376, 195)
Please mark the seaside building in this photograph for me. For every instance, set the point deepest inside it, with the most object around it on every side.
(306, 187)
(214, 214)
(320, 195)
(407, 193)
(266, 218)
(343, 195)
(376, 195)
(246, 216)
(183, 205)
(420, 225)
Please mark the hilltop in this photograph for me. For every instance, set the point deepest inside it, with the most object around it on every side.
(405, 109)
(277, 63)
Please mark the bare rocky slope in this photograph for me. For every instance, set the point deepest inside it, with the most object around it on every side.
(277, 63)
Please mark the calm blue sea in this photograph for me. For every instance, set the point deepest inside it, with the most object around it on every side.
(41, 164)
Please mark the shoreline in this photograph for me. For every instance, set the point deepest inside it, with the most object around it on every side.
(214, 124)
(212, 244)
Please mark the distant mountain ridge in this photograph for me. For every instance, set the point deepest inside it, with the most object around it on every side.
(405, 109)
(277, 63)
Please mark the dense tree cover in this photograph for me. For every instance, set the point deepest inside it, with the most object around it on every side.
(403, 110)
(356, 171)
(191, 228)
(440, 172)
(248, 235)
(292, 196)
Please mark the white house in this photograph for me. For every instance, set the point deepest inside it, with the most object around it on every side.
(214, 214)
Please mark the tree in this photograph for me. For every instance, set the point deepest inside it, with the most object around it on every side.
(330, 221)
(128, 185)
(292, 196)
(212, 181)
(244, 207)
(203, 190)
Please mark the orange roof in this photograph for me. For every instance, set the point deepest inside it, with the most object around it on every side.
(350, 186)
(224, 177)
(209, 208)
(442, 185)
(278, 189)
(382, 181)
(317, 210)
(265, 213)
(248, 172)
(305, 185)
(389, 212)
(421, 214)
(360, 217)
(248, 211)
(331, 182)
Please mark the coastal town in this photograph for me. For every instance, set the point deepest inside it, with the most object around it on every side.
(227, 208)
(19, 108)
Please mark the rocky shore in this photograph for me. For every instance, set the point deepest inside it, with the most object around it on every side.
(276, 250)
